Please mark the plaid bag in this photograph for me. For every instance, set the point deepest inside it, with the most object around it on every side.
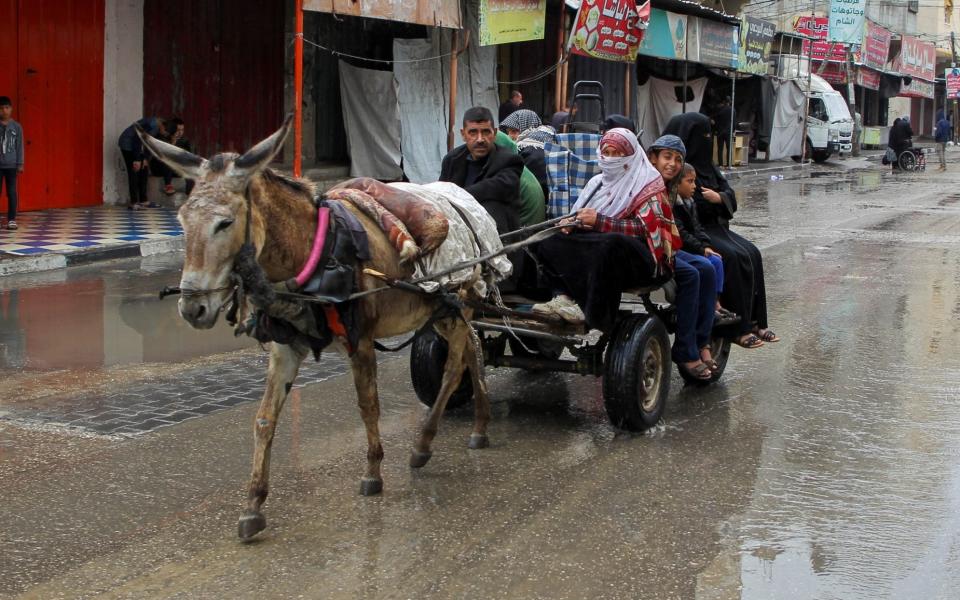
(570, 164)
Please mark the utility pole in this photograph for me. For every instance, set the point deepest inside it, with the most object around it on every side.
(953, 50)
(806, 104)
(852, 102)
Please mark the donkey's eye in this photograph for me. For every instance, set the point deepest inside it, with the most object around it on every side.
(223, 225)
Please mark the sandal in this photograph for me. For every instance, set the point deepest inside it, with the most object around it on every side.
(709, 361)
(702, 371)
(768, 336)
(750, 342)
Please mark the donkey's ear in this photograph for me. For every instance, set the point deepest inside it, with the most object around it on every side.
(185, 164)
(260, 155)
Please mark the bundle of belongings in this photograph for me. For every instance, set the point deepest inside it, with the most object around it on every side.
(435, 227)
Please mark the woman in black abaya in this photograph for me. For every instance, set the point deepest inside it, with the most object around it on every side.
(744, 292)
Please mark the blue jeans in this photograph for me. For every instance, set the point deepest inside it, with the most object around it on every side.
(8, 177)
(717, 263)
(695, 303)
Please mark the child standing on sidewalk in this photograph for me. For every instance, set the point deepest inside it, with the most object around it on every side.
(11, 157)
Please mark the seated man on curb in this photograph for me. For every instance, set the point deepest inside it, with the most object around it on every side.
(490, 174)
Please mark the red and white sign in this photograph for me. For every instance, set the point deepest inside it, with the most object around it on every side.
(876, 46)
(609, 29)
(817, 27)
(952, 76)
(868, 78)
(917, 58)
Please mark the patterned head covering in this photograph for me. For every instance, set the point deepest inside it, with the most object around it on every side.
(670, 142)
(536, 138)
(521, 120)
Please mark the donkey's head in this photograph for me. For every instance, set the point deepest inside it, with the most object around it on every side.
(214, 219)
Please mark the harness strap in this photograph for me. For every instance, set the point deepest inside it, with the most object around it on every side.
(323, 221)
(450, 306)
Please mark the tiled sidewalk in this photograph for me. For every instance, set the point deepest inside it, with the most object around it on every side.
(78, 229)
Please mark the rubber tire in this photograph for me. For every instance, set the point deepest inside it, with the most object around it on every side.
(720, 347)
(820, 156)
(427, 357)
(907, 161)
(540, 348)
(624, 382)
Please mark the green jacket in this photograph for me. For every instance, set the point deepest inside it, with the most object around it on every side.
(533, 208)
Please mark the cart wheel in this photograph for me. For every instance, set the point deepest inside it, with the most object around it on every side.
(720, 349)
(427, 357)
(538, 347)
(907, 161)
(636, 378)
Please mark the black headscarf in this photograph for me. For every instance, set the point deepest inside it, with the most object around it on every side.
(613, 121)
(694, 129)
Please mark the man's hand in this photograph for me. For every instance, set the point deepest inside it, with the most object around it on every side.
(711, 252)
(136, 166)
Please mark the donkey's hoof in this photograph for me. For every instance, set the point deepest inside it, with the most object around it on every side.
(370, 486)
(418, 459)
(250, 525)
(478, 441)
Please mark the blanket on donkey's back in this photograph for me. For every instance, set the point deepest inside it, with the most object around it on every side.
(414, 226)
(465, 217)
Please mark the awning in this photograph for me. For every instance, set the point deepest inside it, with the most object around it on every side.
(435, 13)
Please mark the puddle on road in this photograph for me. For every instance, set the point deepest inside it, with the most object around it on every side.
(100, 316)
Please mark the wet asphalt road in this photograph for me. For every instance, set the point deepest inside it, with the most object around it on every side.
(825, 466)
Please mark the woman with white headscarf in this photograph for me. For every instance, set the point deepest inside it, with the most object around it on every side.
(622, 237)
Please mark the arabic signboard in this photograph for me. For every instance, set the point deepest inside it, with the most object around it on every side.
(508, 21)
(917, 88)
(952, 76)
(846, 21)
(816, 27)
(756, 38)
(717, 44)
(835, 73)
(868, 78)
(917, 58)
(666, 35)
(436, 13)
(876, 46)
(609, 29)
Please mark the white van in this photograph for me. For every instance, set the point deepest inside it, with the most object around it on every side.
(829, 124)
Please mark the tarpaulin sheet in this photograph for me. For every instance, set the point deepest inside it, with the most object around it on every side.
(423, 93)
(786, 135)
(657, 101)
(372, 122)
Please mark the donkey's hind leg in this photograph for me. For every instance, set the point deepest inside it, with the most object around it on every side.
(364, 367)
(456, 337)
(473, 357)
(284, 365)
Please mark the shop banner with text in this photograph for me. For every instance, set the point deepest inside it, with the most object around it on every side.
(876, 46)
(952, 76)
(609, 29)
(816, 27)
(868, 78)
(718, 44)
(917, 58)
(846, 21)
(509, 21)
(756, 39)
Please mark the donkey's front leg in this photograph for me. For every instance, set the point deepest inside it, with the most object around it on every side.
(284, 365)
(364, 367)
(473, 356)
(452, 373)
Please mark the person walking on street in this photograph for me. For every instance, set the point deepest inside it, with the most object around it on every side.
(11, 157)
(942, 136)
(135, 160)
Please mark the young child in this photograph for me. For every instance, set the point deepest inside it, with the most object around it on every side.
(11, 157)
(667, 155)
(695, 277)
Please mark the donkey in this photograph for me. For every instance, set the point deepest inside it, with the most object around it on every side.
(282, 225)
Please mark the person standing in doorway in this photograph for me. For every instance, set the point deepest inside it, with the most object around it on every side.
(722, 119)
(512, 104)
(11, 157)
(135, 160)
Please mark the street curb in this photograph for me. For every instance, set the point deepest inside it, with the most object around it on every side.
(49, 262)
